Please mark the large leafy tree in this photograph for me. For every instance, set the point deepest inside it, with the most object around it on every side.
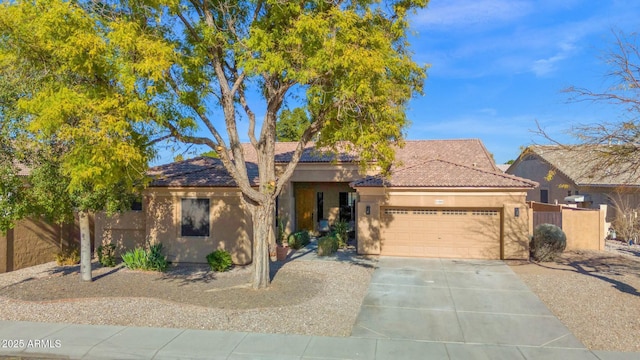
(73, 109)
(346, 64)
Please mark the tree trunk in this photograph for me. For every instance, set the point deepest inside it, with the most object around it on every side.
(263, 222)
(85, 246)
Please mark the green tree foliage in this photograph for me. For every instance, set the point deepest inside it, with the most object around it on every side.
(88, 98)
(79, 114)
(346, 64)
(210, 153)
(167, 67)
(291, 124)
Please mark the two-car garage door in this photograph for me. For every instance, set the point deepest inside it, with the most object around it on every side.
(452, 233)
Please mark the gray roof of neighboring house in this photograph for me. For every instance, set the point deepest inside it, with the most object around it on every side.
(585, 164)
(503, 167)
(444, 174)
(463, 163)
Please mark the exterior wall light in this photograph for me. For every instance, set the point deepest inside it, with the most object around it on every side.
(367, 210)
(516, 212)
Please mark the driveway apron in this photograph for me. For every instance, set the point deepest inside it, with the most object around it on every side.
(457, 301)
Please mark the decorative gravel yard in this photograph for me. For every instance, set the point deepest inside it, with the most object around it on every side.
(306, 297)
(596, 294)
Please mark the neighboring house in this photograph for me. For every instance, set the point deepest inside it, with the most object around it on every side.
(445, 199)
(573, 175)
(503, 167)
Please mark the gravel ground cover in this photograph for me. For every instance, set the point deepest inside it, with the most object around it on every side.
(306, 297)
(596, 294)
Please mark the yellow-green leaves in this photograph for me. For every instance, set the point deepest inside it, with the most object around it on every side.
(93, 83)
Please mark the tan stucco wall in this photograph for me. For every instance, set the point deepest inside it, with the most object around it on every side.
(558, 185)
(585, 230)
(514, 231)
(230, 224)
(33, 242)
(127, 230)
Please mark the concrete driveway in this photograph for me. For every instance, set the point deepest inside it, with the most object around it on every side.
(457, 301)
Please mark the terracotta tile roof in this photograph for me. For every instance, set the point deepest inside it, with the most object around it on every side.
(584, 165)
(284, 153)
(197, 172)
(445, 174)
(206, 171)
(469, 152)
(463, 151)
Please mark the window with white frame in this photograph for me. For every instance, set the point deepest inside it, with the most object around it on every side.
(194, 217)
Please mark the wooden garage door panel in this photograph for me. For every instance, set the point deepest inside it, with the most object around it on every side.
(447, 233)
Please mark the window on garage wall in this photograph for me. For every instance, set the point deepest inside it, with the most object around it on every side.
(194, 217)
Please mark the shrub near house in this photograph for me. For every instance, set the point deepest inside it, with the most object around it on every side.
(548, 242)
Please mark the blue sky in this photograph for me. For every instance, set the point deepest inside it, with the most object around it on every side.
(498, 66)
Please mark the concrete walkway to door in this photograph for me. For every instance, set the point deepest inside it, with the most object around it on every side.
(461, 303)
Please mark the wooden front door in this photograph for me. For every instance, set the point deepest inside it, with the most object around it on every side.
(304, 209)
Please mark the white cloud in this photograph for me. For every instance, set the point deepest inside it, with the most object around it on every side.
(543, 67)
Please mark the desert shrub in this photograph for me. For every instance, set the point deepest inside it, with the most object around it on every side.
(299, 240)
(340, 232)
(68, 256)
(106, 255)
(141, 259)
(219, 260)
(547, 243)
(327, 245)
(156, 260)
(135, 259)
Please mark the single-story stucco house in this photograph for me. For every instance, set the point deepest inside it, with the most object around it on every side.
(573, 175)
(446, 198)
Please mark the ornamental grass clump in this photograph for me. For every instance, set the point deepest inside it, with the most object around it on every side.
(68, 256)
(151, 259)
(548, 242)
(341, 233)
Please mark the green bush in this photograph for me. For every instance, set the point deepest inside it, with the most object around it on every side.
(106, 255)
(219, 260)
(68, 256)
(299, 240)
(156, 260)
(327, 245)
(341, 233)
(548, 242)
(135, 259)
(140, 259)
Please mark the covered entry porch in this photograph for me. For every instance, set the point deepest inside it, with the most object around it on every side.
(313, 202)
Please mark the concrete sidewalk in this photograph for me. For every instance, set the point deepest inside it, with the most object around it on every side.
(414, 309)
(60, 341)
